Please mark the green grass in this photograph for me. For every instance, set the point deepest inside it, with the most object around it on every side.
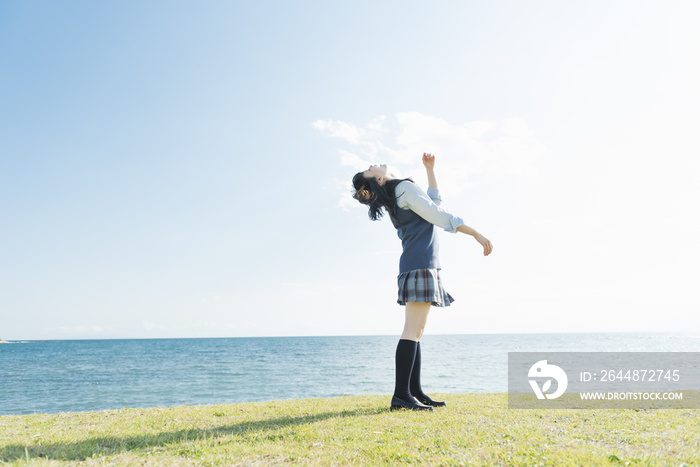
(474, 429)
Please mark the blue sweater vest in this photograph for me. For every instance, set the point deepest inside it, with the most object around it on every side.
(419, 240)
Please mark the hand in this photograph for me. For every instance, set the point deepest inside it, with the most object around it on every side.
(486, 243)
(428, 161)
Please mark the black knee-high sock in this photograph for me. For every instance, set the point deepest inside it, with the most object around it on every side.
(415, 386)
(405, 356)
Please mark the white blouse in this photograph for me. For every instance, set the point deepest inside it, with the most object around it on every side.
(410, 196)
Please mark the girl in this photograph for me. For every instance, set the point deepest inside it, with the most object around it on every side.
(415, 214)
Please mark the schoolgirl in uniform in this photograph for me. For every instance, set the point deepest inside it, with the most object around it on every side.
(415, 214)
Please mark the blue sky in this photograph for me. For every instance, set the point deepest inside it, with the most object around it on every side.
(181, 169)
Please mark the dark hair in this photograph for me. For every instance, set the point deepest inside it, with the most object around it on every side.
(378, 197)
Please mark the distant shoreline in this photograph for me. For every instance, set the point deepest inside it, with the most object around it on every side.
(483, 334)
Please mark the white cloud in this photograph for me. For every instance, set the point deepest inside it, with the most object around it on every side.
(377, 125)
(344, 190)
(342, 130)
(349, 159)
(469, 153)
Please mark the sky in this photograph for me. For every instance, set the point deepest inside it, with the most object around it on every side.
(182, 169)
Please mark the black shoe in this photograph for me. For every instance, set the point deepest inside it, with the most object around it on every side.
(425, 400)
(397, 403)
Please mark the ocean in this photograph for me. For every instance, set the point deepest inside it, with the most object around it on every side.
(89, 375)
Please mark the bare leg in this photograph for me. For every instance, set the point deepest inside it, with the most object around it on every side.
(416, 317)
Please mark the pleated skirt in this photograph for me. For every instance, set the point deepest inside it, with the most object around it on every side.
(423, 285)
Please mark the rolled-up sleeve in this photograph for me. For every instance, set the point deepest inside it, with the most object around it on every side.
(410, 196)
(434, 194)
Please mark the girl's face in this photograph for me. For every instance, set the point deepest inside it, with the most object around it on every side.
(379, 172)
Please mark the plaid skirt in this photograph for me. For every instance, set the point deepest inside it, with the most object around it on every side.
(423, 285)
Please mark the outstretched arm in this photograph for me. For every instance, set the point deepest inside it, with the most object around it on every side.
(409, 196)
(485, 242)
(429, 163)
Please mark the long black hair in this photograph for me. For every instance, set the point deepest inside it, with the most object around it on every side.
(379, 198)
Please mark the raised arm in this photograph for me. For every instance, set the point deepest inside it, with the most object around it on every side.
(429, 163)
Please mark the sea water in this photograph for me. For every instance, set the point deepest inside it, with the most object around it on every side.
(87, 375)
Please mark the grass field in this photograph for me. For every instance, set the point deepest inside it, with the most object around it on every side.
(474, 429)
